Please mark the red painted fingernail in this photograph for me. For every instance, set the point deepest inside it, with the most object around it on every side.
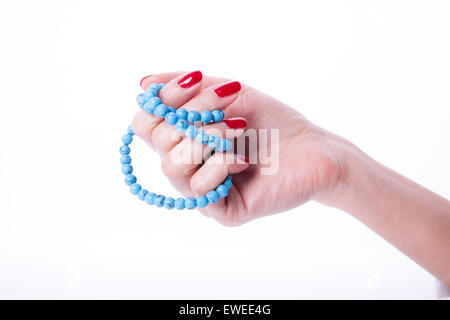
(236, 123)
(190, 79)
(140, 83)
(242, 158)
(228, 89)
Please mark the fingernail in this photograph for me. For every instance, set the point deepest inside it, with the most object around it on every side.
(236, 123)
(242, 158)
(190, 79)
(228, 89)
(140, 83)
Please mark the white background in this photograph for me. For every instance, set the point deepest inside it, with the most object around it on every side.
(375, 72)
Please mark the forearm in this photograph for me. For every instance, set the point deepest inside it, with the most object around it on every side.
(410, 217)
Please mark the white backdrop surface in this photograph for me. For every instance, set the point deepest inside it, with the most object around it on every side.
(375, 72)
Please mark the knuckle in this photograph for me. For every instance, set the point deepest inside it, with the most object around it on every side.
(155, 136)
(168, 168)
(196, 185)
(164, 138)
(171, 169)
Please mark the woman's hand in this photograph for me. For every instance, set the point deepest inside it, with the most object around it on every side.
(312, 164)
(304, 161)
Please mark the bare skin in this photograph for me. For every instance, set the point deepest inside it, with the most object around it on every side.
(314, 164)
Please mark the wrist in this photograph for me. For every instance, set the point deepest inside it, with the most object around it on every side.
(355, 171)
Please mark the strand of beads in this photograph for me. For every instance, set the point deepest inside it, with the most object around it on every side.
(183, 121)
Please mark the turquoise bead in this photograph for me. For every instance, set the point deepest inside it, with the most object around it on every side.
(141, 100)
(150, 198)
(159, 200)
(162, 85)
(202, 137)
(127, 139)
(228, 183)
(190, 203)
(179, 203)
(142, 193)
(171, 109)
(202, 201)
(217, 115)
(222, 190)
(135, 188)
(206, 116)
(152, 89)
(149, 108)
(181, 125)
(212, 196)
(150, 93)
(127, 169)
(124, 150)
(154, 102)
(154, 86)
(182, 113)
(130, 179)
(169, 203)
(130, 130)
(191, 131)
(125, 159)
(171, 118)
(213, 141)
(224, 145)
(193, 116)
(161, 110)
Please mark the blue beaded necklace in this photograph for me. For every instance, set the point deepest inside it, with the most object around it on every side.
(183, 121)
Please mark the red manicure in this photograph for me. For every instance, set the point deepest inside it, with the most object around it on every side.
(190, 79)
(236, 123)
(228, 89)
(140, 83)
